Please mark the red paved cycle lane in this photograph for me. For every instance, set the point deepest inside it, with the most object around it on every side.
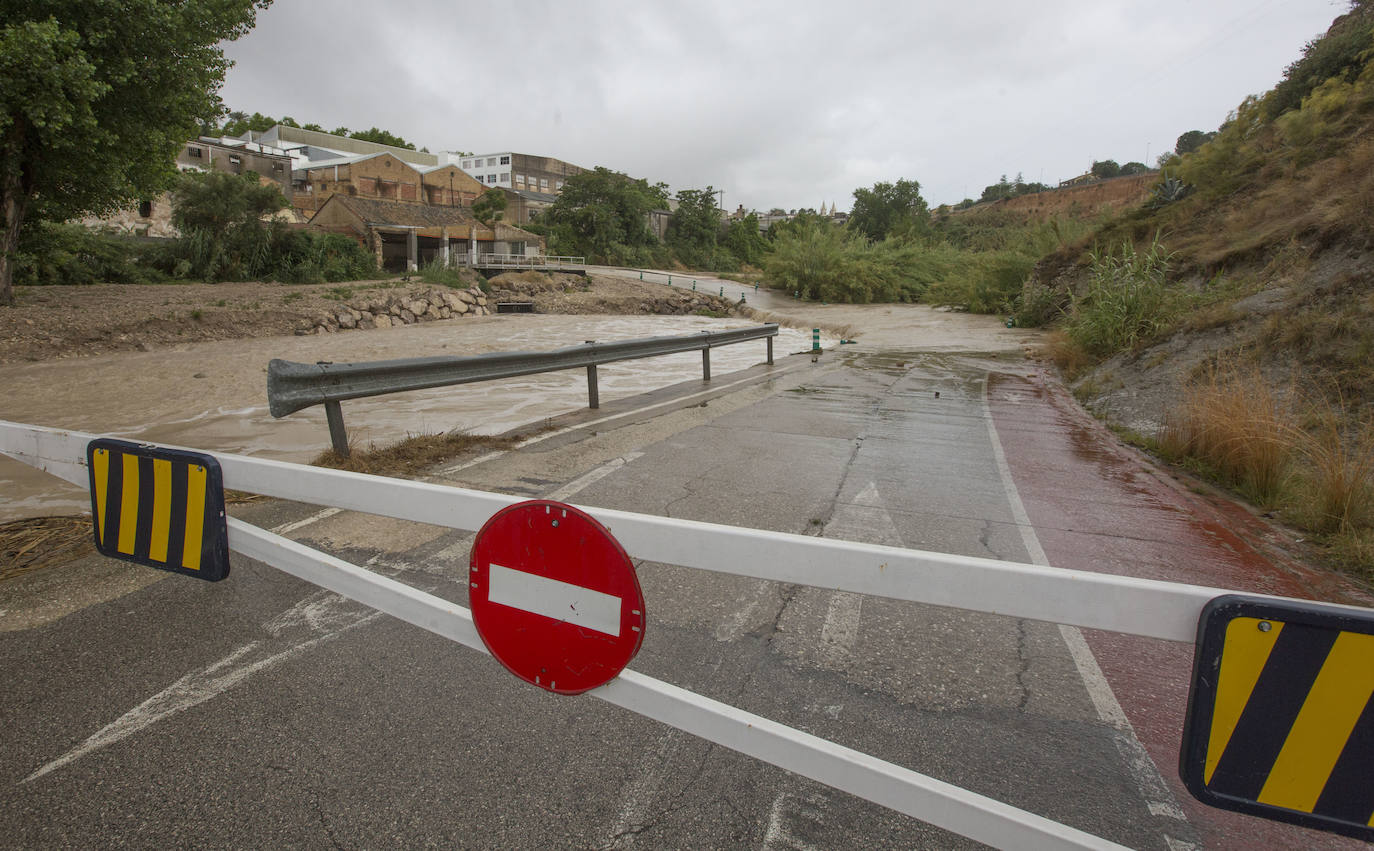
(1099, 506)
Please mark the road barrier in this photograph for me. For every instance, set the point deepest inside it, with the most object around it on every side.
(293, 386)
(1245, 644)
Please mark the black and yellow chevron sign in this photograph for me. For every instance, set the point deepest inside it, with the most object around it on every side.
(1280, 718)
(160, 507)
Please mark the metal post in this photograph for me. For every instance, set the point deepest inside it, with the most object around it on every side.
(769, 340)
(593, 394)
(641, 276)
(815, 339)
(337, 435)
(722, 292)
(706, 364)
(670, 280)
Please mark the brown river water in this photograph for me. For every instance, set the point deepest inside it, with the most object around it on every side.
(213, 396)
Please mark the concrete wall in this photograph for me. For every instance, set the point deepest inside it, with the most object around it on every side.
(383, 177)
(450, 186)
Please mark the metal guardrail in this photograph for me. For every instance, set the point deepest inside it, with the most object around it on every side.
(523, 261)
(293, 386)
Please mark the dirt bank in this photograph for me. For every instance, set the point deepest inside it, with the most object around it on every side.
(49, 323)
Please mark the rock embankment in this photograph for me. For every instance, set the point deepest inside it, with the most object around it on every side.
(386, 311)
(566, 293)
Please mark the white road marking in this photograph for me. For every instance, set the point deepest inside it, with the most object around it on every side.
(539, 438)
(288, 528)
(320, 612)
(776, 835)
(865, 519)
(1158, 798)
(191, 690)
(559, 601)
(593, 476)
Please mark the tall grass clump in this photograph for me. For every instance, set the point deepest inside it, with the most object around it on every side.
(1127, 300)
(1235, 423)
(1281, 451)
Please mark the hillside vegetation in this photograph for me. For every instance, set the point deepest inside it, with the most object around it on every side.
(1230, 320)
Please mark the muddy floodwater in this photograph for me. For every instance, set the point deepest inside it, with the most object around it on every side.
(213, 396)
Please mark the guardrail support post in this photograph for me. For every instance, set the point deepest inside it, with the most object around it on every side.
(769, 340)
(593, 393)
(706, 364)
(337, 434)
(815, 339)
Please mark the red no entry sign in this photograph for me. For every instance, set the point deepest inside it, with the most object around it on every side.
(554, 596)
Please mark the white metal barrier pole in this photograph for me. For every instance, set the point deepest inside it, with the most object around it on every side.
(919, 796)
(1125, 604)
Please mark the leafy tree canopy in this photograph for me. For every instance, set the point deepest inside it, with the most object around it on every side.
(878, 211)
(1106, 168)
(96, 98)
(695, 227)
(602, 213)
(490, 207)
(1191, 141)
(381, 137)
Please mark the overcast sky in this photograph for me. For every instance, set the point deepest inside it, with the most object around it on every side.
(781, 104)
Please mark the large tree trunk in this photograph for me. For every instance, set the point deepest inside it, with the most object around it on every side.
(13, 205)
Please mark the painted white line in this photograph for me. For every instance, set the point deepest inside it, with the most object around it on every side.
(559, 601)
(191, 690)
(288, 528)
(539, 438)
(1158, 798)
(865, 519)
(593, 476)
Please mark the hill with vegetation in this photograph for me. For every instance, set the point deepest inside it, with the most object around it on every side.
(1229, 321)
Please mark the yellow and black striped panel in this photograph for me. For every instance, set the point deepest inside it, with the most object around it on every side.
(1280, 719)
(160, 507)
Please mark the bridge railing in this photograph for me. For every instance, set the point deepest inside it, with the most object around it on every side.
(543, 262)
(292, 386)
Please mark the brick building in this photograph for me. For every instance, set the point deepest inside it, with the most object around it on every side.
(405, 235)
(523, 172)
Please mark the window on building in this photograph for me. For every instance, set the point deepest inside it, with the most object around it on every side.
(558, 185)
(543, 184)
(194, 152)
(505, 177)
(505, 161)
(145, 209)
(520, 180)
(467, 163)
(491, 160)
(491, 178)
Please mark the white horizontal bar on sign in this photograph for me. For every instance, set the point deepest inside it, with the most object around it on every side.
(559, 601)
(887, 784)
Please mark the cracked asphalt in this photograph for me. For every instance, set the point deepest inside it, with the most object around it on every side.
(263, 712)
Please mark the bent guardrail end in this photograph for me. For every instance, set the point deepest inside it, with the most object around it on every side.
(284, 393)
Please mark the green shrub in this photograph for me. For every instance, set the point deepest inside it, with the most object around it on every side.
(59, 254)
(1127, 300)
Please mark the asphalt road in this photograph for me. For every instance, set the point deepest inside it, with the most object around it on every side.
(262, 712)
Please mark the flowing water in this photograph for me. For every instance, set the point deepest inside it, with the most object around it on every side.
(213, 396)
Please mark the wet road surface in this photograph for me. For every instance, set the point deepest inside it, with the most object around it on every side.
(261, 712)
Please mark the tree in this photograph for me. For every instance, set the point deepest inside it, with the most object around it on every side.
(490, 207)
(602, 214)
(221, 219)
(1134, 168)
(1191, 141)
(695, 227)
(879, 210)
(381, 137)
(744, 241)
(1105, 169)
(96, 98)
